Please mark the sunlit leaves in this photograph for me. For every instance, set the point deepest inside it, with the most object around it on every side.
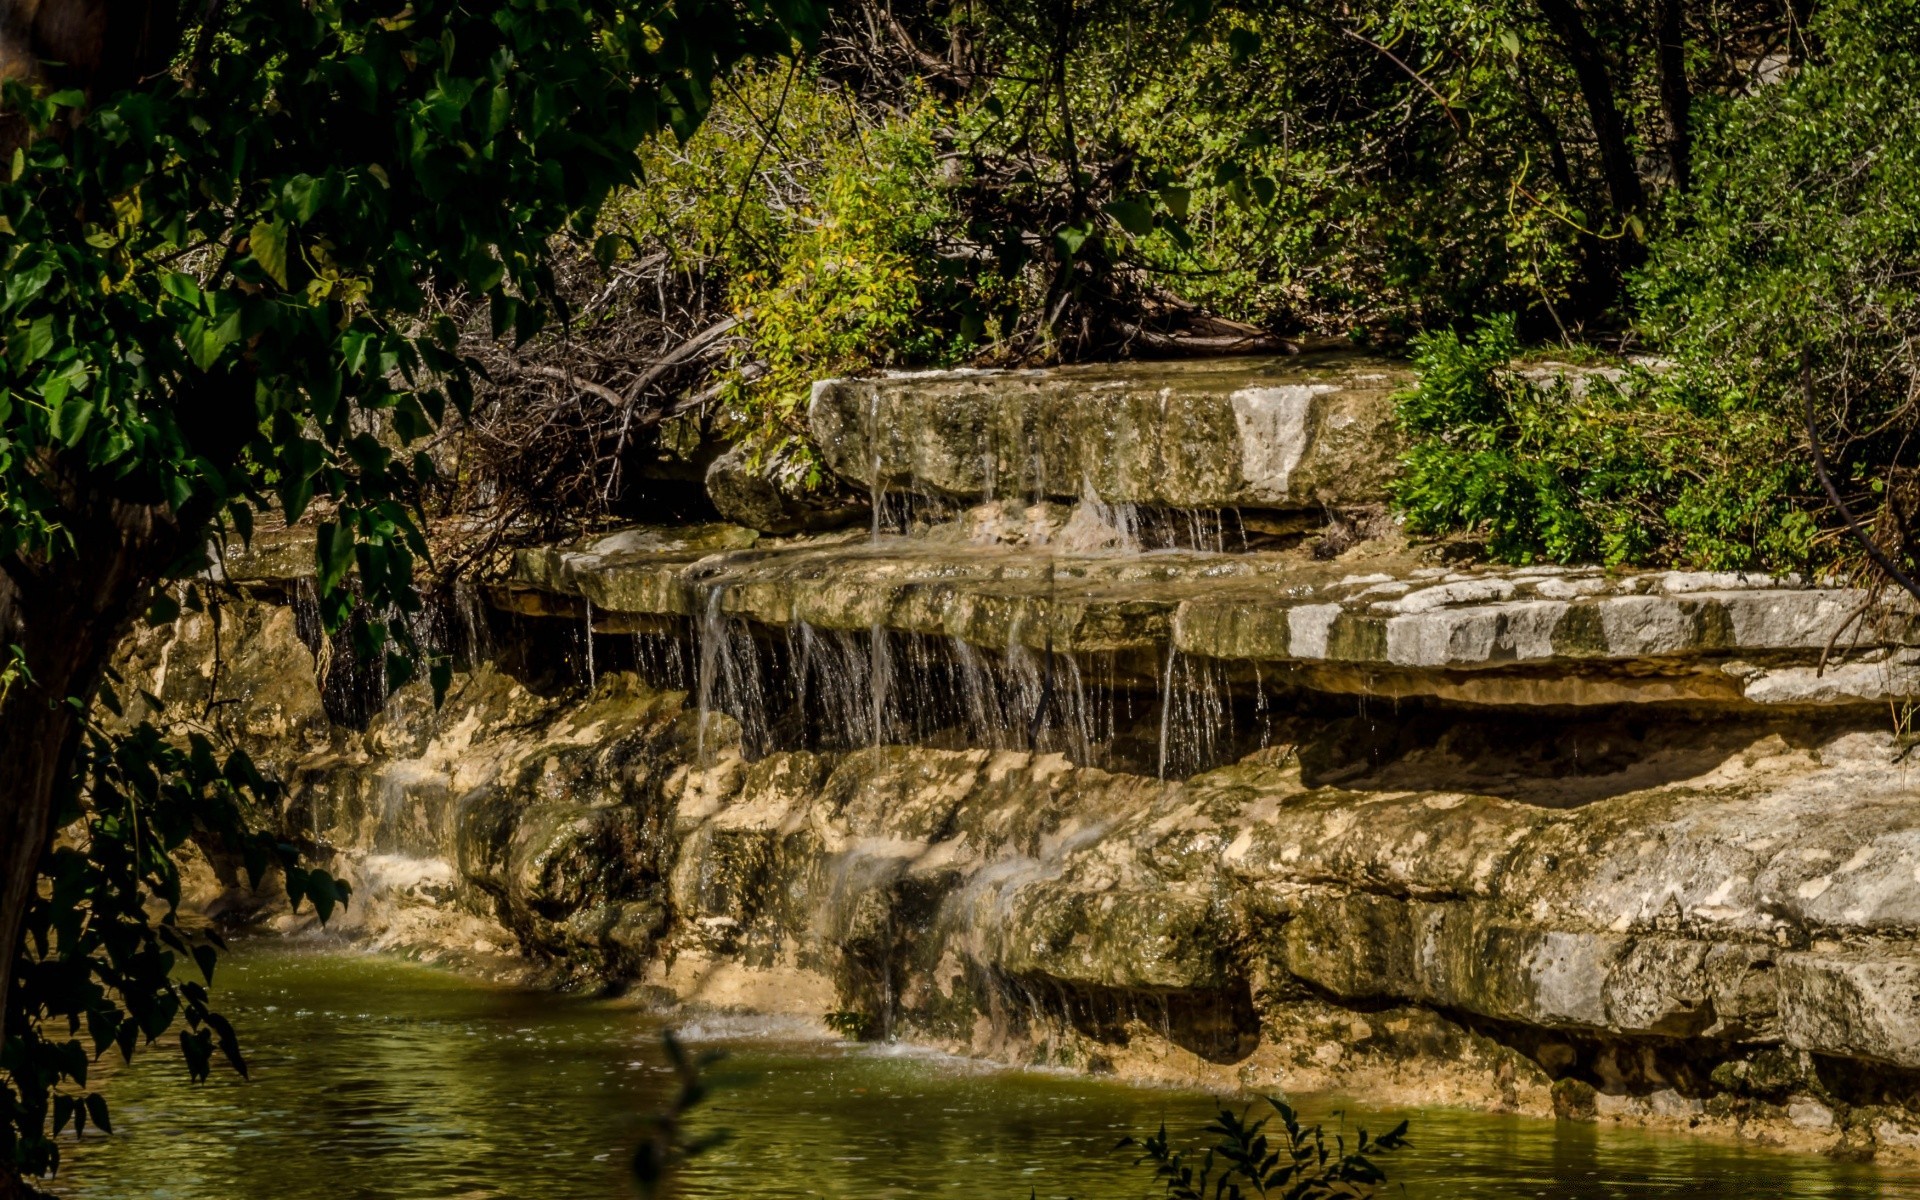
(267, 245)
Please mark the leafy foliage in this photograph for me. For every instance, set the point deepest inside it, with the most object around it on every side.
(1015, 182)
(1800, 248)
(96, 957)
(210, 280)
(218, 302)
(1797, 247)
(1246, 1161)
(1578, 466)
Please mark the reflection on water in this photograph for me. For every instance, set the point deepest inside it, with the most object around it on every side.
(378, 1078)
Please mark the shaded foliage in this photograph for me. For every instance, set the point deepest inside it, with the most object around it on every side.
(1796, 251)
(1246, 1159)
(219, 301)
(103, 964)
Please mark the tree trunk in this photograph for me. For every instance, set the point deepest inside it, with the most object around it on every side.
(1676, 96)
(67, 616)
(1589, 61)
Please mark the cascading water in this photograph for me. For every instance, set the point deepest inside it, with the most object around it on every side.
(586, 635)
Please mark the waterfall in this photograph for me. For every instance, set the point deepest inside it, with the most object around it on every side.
(1166, 709)
(712, 646)
(592, 678)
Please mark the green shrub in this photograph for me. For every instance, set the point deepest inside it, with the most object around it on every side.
(1800, 246)
(1629, 466)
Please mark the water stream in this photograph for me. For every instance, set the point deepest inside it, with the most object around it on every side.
(374, 1077)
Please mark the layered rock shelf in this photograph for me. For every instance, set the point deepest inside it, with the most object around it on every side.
(1125, 732)
(1288, 433)
(1377, 622)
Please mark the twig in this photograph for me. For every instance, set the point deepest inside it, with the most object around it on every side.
(1880, 557)
(605, 393)
(1412, 74)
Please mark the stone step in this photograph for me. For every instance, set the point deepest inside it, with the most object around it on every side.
(1284, 434)
(1381, 625)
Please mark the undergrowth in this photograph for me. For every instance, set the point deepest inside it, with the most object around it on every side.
(1624, 465)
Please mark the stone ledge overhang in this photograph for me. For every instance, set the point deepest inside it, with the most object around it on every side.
(1531, 636)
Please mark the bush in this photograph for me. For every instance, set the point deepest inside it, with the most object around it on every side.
(1628, 466)
(1245, 1160)
(1798, 247)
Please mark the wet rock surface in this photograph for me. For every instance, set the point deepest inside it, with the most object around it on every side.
(1375, 620)
(1714, 926)
(1131, 737)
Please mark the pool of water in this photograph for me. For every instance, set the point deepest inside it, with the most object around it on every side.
(373, 1077)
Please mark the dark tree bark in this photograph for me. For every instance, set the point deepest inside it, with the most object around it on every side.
(1676, 96)
(1589, 62)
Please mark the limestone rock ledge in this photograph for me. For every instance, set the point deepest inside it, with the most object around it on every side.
(1721, 933)
(1283, 433)
(1376, 621)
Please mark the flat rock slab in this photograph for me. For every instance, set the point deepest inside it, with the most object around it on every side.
(1269, 433)
(1525, 636)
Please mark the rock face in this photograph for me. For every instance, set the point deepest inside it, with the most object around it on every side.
(1040, 780)
(771, 493)
(1693, 919)
(1287, 433)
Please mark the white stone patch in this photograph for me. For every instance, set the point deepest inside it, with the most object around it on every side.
(1437, 639)
(1788, 620)
(1841, 683)
(1307, 628)
(1476, 635)
(1809, 1114)
(1816, 887)
(1634, 626)
(1680, 583)
(1275, 426)
(1861, 858)
(1571, 589)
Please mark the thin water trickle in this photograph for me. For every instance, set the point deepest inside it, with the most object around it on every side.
(593, 680)
(712, 639)
(1166, 709)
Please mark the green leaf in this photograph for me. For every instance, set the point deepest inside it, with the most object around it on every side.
(70, 419)
(31, 344)
(181, 286)
(267, 244)
(333, 551)
(205, 339)
(1131, 215)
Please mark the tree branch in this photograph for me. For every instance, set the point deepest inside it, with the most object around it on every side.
(1880, 557)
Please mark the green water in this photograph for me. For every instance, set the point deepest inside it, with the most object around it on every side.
(378, 1078)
